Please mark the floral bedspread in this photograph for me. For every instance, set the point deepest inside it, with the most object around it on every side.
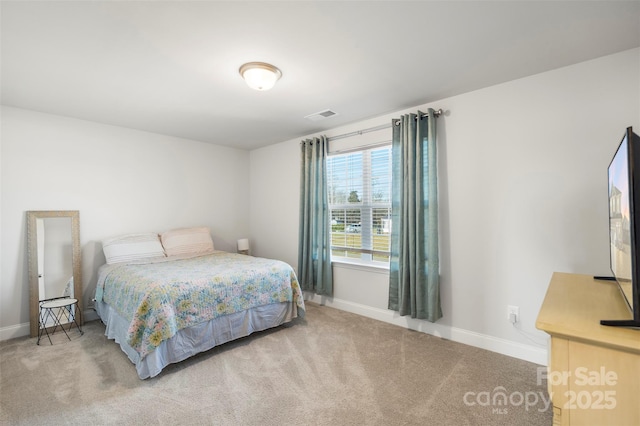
(161, 298)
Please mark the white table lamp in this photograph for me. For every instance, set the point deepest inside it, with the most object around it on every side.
(243, 246)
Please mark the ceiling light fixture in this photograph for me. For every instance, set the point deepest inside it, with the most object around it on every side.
(260, 75)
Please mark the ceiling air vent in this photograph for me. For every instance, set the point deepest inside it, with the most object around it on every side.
(317, 116)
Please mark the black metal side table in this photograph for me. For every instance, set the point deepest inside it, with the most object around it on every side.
(56, 310)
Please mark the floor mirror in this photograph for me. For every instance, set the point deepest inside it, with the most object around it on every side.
(53, 246)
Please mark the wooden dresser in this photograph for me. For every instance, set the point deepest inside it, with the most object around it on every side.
(594, 370)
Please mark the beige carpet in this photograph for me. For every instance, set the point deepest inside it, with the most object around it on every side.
(333, 368)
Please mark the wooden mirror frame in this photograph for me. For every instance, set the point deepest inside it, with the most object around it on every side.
(32, 252)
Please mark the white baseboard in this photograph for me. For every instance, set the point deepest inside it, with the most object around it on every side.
(21, 330)
(90, 315)
(14, 331)
(471, 338)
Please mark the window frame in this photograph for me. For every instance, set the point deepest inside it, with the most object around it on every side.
(367, 207)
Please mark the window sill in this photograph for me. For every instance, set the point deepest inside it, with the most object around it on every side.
(379, 268)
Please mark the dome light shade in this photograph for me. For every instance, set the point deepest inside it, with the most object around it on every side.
(260, 75)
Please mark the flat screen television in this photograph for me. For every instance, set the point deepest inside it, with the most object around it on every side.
(624, 225)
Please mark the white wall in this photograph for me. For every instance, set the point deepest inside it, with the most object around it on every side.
(120, 180)
(523, 193)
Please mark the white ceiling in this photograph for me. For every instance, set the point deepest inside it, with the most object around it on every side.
(171, 67)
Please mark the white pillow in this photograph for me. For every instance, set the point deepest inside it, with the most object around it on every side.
(131, 247)
(186, 241)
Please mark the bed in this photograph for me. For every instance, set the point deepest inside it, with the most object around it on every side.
(171, 303)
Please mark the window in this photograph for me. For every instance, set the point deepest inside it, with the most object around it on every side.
(359, 185)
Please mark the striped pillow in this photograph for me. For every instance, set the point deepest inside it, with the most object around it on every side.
(187, 241)
(131, 247)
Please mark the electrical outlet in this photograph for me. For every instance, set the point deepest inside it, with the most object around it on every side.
(513, 314)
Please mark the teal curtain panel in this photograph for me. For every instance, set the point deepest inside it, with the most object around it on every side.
(414, 276)
(314, 245)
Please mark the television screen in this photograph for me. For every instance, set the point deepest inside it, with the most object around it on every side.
(620, 220)
(624, 225)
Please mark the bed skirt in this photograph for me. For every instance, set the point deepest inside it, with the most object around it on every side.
(195, 339)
